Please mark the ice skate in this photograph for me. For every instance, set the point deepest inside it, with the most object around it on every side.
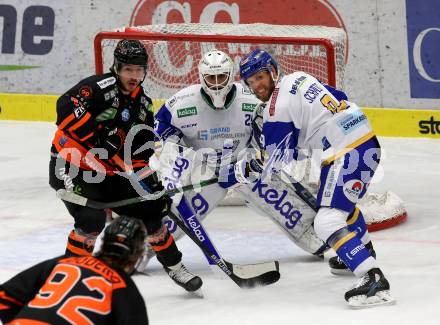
(371, 290)
(141, 265)
(183, 277)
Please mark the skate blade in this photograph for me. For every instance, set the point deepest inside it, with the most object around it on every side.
(196, 294)
(381, 298)
(339, 272)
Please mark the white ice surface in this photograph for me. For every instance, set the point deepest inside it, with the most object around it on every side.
(34, 226)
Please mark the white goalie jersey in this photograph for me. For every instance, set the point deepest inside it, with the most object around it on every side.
(189, 118)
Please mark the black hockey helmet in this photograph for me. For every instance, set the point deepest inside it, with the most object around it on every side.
(130, 52)
(124, 239)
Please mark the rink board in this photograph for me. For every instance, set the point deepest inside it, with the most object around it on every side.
(392, 122)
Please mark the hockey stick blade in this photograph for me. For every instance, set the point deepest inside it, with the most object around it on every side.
(244, 275)
(254, 275)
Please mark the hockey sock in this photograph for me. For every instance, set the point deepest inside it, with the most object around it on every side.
(162, 242)
(80, 243)
(352, 251)
(356, 222)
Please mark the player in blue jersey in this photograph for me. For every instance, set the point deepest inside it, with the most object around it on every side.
(301, 114)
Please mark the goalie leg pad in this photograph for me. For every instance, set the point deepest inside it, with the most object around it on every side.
(276, 200)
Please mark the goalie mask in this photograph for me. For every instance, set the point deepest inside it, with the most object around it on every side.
(216, 72)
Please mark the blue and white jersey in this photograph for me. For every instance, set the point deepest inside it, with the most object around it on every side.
(303, 114)
(187, 118)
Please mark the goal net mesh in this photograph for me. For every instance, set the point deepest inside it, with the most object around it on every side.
(175, 50)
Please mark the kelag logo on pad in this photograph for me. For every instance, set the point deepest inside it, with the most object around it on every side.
(423, 24)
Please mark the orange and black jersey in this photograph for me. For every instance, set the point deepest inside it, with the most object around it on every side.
(72, 290)
(96, 104)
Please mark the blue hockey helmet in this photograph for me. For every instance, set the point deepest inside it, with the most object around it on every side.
(255, 61)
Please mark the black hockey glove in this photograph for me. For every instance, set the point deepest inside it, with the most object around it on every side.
(153, 184)
(111, 139)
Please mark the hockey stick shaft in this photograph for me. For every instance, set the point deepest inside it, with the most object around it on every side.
(300, 190)
(252, 274)
(80, 200)
(267, 273)
(248, 276)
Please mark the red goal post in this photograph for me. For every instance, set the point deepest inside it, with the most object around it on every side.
(175, 50)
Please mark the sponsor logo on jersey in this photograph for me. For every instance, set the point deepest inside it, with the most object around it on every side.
(67, 180)
(202, 135)
(272, 197)
(115, 103)
(63, 140)
(125, 115)
(247, 107)
(110, 94)
(106, 82)
(430, 126)
(142, 115)
(352, 189)
(85, 91)
(352, 121)
(222, 129)
(187, 111)
(313, 92)
(79, 111)
(187, 126)
(108, 114)
(172, 102)
(297, 84)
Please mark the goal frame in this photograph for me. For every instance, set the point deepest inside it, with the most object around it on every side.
(133, 33)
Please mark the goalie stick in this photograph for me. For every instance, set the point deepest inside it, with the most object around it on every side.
(300, 190)
(244, 275)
